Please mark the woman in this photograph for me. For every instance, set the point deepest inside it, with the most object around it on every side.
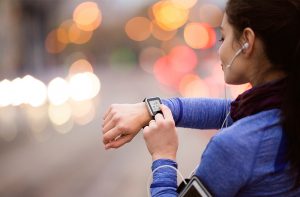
(257, 154)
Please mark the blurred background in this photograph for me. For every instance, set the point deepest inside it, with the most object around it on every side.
(62, 63)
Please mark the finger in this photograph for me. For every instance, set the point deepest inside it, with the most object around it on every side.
(111, 135)
(166, 112)
(159, 117)
(107, 112)
(108, 126)
(152, 123)
(146, 131)
(107, 119)
(119, 142)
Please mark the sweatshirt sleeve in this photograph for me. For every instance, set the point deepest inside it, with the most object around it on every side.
(164, 178)
(199, 113)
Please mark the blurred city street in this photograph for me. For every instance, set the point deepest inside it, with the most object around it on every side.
(76, 164)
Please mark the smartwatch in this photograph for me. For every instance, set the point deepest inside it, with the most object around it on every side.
(153, 105)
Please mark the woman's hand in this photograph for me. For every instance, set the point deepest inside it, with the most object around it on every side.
(122, 122)
(161, 136)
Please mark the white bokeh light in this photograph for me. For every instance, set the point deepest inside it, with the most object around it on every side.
(58, 91)
(5, 96)
(36, 91)
(84, 86)
(18, 92)
(59, 114)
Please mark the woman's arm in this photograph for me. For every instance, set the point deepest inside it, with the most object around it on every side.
(162, 142)
(122, 122)
(199, 113)
(164, 182)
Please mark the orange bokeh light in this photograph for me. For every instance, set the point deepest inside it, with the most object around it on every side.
(87, 16)
(52, 44)
(187, 4)
(62, 32)
(161, 34)
(192, 86)
(169, 15)
(78, 36)
(80, 66)
(199, 35)
(138, 28)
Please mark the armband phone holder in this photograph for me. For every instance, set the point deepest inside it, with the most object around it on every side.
(194, 188)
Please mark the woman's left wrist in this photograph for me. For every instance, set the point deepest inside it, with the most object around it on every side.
(163, 156)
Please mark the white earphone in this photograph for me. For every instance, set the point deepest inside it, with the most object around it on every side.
(245, 46)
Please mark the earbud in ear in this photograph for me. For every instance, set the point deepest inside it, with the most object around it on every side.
(245, 46)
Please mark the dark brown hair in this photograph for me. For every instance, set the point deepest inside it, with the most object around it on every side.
(277, 23)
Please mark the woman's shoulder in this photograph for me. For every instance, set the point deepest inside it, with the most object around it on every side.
(254, 125)
(246, 134)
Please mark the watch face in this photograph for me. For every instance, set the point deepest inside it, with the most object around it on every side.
(154, 105)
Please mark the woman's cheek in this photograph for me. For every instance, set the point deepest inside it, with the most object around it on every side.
(220, 53)
(219, 50)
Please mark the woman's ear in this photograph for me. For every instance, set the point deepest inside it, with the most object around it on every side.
(248, 37)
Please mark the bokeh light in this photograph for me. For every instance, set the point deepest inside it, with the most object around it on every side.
(36, 91)
(215, 80)
(58, 91)
(183, 59)
(192, 86)
(5, 96)
(148, 57)
(87, 16)
(83, 112)
(169, 15)
(199, 35)
(187, 4)
(17, 92)
(63, 31)
(80, 66)
(138, 28)
(78, 36)
(163, 72)
(170, 69)
(27, 90)
(161, 34)
(211, 14)
(59, 114)
(53, 44)
(84, 86)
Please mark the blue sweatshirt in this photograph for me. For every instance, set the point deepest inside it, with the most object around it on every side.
(244, 159)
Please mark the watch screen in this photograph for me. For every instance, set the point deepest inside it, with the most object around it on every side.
(155, 105)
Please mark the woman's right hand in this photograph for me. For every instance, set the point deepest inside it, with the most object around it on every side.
(122, 122)
(161, 136)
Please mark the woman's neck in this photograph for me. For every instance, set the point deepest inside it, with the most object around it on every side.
(267, 77)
